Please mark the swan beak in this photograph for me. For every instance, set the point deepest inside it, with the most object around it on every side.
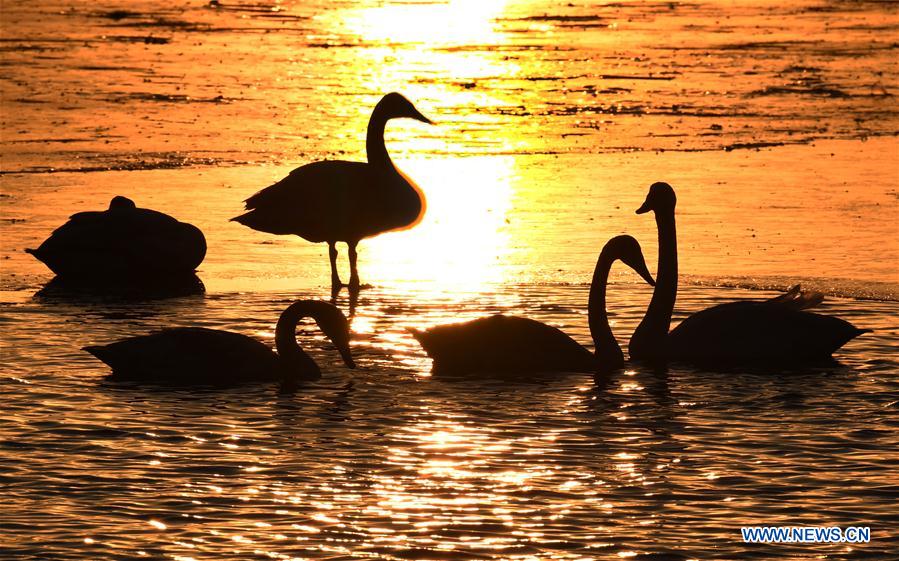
(643, 271)
(644, 208)
(347, 357)
(419, 117)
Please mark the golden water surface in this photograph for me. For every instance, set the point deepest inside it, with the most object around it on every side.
(775, 122)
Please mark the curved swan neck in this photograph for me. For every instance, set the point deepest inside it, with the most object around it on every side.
(409, 202)
(607, 350)
(375, 149)
(294, 358)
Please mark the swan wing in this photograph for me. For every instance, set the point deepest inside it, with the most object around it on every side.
(796, 299)
(321, 201)
(305, 180)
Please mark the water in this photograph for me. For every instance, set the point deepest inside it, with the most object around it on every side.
(776, 124)
(387, 462)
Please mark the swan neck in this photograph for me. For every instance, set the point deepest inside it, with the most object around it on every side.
(375, 149)
(409, 202)
(650, 339)
(294, 359)
(607, 350)
(663, 297)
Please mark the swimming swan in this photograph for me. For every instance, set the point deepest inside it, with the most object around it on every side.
(333, 200)
(200, 356)
(775, 331)
(504, 344)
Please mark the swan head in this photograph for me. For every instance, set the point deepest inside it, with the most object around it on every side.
(329, 319)
(660, 198)
(396, 106)
(336, 328)
(628, 250)
(120, 202)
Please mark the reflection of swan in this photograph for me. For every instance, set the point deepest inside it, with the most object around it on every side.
(770, 331)
(132, 289)
(122, 242)
(511, 344)
(333, 200)
(200, 356)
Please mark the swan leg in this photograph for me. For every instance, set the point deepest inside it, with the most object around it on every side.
(332, 255)
(354, 273)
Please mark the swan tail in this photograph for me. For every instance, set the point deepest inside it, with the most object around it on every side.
(843, 336)
(418, 334)
(101, 352)
(262, 221)
(37, 253)
(424, 340)
(242, 219)
(250, 219)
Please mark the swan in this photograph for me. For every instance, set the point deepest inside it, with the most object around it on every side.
(201, 356)
(334, 200)
(507, 344)
(775, 331)
(122, 242)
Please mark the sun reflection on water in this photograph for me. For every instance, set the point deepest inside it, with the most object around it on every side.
(463, 236)
(455, 22)
(463, 240)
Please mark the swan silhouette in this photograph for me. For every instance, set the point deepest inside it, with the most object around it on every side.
(122, 242)
(200, 356)
(333, 200)
(775, 331)
(506, 344)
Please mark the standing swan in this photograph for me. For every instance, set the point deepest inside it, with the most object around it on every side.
(775, 331)
(335, 200)
(200, 356)
(511, 344)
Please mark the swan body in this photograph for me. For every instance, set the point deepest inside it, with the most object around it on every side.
(506, 344)
(772, 332)
(339, 201)
(122, 242)
(201, 356)
(767, 331)
(501, 343)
